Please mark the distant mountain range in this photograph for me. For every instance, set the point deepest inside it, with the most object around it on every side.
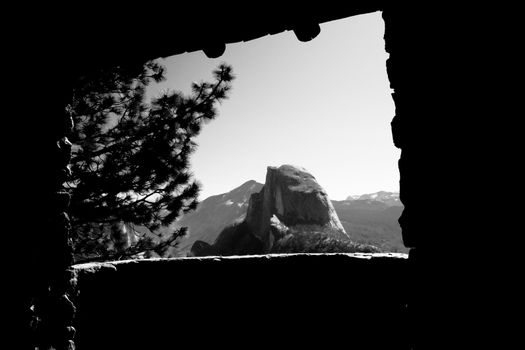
(368, 218)
(372, 221)
(389, 198)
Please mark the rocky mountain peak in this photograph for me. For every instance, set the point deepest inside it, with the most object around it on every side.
(291, 200)
(294, 196)
(248, 186)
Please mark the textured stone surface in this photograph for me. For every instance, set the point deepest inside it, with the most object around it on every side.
(294, 197)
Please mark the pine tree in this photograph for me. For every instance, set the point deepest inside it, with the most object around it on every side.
(130, 178)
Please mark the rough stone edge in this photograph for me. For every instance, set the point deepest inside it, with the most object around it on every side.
(112, 265)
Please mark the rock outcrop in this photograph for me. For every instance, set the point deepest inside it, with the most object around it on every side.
(216, 213)
(291, 202)
(291, 199)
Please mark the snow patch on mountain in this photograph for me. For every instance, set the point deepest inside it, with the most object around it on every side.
(388, 198)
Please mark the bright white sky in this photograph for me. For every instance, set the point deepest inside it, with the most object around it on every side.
(324, 105)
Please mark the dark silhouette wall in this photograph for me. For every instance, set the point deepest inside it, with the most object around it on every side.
(327, 301)
(441, 69)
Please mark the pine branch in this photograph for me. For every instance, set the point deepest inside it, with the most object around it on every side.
(146, 153)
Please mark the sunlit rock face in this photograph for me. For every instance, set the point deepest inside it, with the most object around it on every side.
(291, 196)
(290, 201)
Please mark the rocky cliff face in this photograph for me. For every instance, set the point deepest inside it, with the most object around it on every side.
(290, 202)
(216, 213)
(291, 198)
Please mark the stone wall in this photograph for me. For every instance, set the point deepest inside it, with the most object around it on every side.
(45, 238)
(439, 67)
(324, 301)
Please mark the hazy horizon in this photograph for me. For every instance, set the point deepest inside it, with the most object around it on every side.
(324, 105)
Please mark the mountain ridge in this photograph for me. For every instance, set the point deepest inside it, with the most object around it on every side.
(292, 213)
(366, 219)
(390, 198)
(215, 213)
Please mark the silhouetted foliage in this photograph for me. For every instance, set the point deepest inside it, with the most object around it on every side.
(319, 242)
(237, 239)
(130, 166)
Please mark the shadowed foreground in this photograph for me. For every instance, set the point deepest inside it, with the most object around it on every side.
(333, 300)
